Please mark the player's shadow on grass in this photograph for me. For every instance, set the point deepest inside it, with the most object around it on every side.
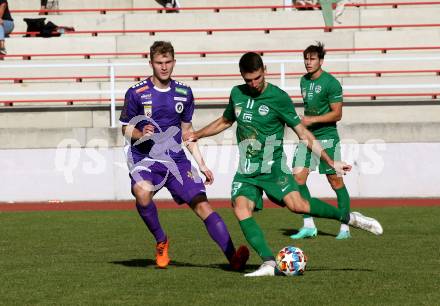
(319, 269)
(143, 263)
(290, 232)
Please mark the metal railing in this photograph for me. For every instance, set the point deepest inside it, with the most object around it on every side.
(112, 92)
(216, 8)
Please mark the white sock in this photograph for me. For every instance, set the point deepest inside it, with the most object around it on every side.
(344, 227)
(308, 222)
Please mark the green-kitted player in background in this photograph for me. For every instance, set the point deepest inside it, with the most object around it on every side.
(322, 96)
(261, 111)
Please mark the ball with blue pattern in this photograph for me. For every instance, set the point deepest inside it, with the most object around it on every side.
(291, 260)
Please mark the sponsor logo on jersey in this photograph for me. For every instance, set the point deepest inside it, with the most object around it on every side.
(179, 107)
(142, 89)
(183, 99)
(147, 102)
(247, 117)
(263, 110)
(148, 110)
(237, 111)
(182, 91)
(146, 96)
(318, 89)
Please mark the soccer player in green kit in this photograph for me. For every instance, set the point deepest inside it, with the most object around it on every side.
(261, 111)
(322, 96)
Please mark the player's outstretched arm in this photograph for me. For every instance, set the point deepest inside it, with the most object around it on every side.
(193, 148)
(334, 115)
(307, 138)
(213, 128)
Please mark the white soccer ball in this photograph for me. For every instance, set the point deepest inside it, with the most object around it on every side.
(291, 261)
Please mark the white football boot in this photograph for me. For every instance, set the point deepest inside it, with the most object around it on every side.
(366, 223)
(266, 269)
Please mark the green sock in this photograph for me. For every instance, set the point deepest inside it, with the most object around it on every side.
(255, 237)
(305, 193)
(343, 200)
(321, 209)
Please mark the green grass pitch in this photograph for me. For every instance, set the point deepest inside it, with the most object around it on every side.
(107, 257)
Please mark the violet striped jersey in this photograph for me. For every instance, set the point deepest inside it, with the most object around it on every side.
(165, 108)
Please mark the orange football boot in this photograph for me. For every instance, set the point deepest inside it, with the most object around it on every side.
(162, 259)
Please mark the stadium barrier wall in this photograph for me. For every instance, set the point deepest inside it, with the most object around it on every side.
(99, 172)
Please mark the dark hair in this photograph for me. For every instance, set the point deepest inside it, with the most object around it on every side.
(318, 49)
(250, 62)
(161, 47)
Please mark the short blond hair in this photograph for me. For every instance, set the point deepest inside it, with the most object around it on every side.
(161, 47)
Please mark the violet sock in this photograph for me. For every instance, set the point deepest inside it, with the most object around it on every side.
(151, 219)
(219, 233)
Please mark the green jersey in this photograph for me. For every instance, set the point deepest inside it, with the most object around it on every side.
(317, 96)
(260, 126)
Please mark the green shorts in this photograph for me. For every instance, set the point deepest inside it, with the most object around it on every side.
(304, 158)
(275, 184)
